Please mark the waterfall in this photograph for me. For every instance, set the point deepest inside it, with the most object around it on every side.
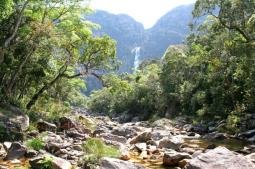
(136, 51)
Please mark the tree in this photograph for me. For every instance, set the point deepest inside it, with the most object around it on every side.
(45, 42)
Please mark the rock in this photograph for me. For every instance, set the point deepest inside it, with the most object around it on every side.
(172, 143)
(163, 123)
(141, 146)
(191, 134)
(31, 153)
(111, 163)
(125, 155)
(7, 145)
(197, 153)
(152, 149)
(141, 138)
(127, 132)
(66, 123)
(3, 153)
(14, 116)
(159, 134)
(33, 133)
(215, 136)
(251, 157)
(219, 158)
(143, 155)
(172, 158)
(46, 126)
(183, 163)
(57, 163)
(114, 138)
(16, 151)
(211, 146)
(247, 134)
(15, 161)
(52, 137)
(199, 128)
(74, 133)
(10, 131)
(53, 147)
(77, 147)
(188, 150)
(251, 139)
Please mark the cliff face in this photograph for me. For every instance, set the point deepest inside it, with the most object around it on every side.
(171, 29)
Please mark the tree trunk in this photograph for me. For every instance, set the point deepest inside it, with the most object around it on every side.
(45, 87)
(17, 25)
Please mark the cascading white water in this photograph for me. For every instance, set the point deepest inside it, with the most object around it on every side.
(136, 51)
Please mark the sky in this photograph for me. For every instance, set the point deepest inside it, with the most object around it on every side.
(145, 11)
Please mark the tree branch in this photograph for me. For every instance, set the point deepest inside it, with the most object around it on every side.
(17, 25)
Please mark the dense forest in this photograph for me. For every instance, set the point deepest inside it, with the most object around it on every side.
(48, 48)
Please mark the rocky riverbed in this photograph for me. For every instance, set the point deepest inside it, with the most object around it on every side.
(155, 145)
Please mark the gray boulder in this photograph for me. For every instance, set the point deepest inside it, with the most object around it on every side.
(15, 151)
(111, 163)
(171, 143)
(113, 138)
(172, 158)
(46, 126)
(56, 162)
(220, 158)
(3, 153)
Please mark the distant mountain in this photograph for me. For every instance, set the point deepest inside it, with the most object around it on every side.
(125, 30)
(171, 29)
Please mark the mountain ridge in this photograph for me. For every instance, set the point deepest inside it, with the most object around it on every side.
(170, 29)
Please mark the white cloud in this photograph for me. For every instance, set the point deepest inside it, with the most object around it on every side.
(144, 11)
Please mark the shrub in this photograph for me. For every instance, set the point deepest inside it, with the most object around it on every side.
(98, 148)
(36, 143)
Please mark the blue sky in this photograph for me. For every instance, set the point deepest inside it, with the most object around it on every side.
(144, 11)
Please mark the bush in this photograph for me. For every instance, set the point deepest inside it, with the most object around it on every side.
(36, 143)
(99, 149)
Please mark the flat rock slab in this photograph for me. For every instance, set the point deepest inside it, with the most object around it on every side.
(220, 158)
(112, 163)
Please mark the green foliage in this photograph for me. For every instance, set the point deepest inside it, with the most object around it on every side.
(46, 47)
(212, 78)
(96, 149)
(35, 143)
(138, 94)
(46, 163)
(5, 8)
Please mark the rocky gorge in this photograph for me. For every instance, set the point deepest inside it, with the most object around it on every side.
(160, 144)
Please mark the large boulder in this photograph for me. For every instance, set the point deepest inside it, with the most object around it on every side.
(141, 138)
(128, 132)
(55, 162)
(113, 138)
(164, 123)
(251, 157)
(13, 122)
(172, 158)
(3, 153)
(15, 150)
(220, 158)
(160, 134)
(112, 163)
(66, 123)
(46, 126)
(171, 143)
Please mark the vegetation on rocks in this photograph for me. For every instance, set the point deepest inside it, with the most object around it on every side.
(97, 149)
